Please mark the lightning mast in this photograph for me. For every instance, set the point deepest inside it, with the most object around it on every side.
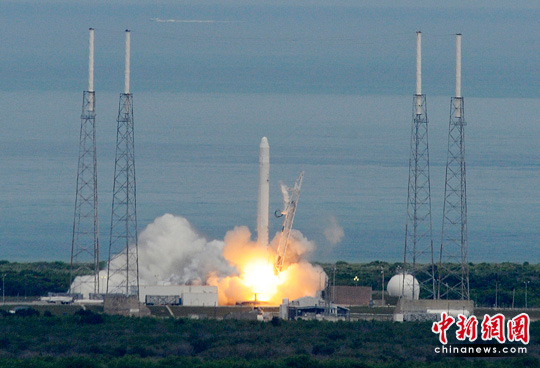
(418, 253)
(123, 267)
(453, 280)
(291, 202)
(85, 239)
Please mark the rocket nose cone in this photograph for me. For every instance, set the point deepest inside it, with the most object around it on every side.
(264, 142)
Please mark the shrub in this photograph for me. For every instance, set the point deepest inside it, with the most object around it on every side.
(79, 362)
(26, 312)
(300, 361)
(323, 349)
(87, 317)
(276, 321)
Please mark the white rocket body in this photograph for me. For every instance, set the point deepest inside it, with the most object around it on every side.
(263, 205)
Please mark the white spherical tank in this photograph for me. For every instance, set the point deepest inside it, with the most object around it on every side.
(396, 284)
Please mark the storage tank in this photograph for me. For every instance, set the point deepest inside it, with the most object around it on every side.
(395, 286)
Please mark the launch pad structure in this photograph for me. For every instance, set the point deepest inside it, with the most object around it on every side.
(453, 282)
(418, 252)
(289, 212)
(452, 279)
(123, 266)
(85, 239)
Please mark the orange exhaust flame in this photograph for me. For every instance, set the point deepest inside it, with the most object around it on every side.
(256, 270)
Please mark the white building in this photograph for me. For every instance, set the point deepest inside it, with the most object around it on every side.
(187, 295)
(430, 310)
(309, 306)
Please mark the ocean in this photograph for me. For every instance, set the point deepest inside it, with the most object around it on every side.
(332, 94)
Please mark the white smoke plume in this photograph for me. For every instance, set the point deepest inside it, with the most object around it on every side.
(285, 193)
(333, 231)
(171, 251)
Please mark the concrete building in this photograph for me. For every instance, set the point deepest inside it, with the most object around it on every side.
(256, 314)
(430, 310)
(310, 307)
(351, 295)
(187, 295)
(124, 305)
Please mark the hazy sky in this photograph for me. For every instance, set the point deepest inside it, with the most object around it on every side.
(307, 47)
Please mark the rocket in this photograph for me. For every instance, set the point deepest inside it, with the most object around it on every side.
(263, 204)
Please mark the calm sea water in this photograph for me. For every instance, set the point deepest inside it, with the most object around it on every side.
(197, 156)
(331, 93)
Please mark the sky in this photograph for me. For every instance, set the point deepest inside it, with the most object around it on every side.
(290, 47)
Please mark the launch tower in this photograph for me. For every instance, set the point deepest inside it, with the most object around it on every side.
(123, 267)
(453, 280)
(291, 196)
(418, 253)
(85, 240)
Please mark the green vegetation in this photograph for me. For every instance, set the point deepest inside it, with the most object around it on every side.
(300, 361)
(88, 339)
(36, 279)
(484, 279)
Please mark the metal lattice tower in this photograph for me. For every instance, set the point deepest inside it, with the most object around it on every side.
(123, 268)
(85, 240)
(418, 253)
(453, 268)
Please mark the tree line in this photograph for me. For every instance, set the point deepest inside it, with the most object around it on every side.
(490, 283)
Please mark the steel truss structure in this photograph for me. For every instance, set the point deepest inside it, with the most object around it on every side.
(123, 268)
(453, 280)
(289, 212)
(418, 253)
(85, 240)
